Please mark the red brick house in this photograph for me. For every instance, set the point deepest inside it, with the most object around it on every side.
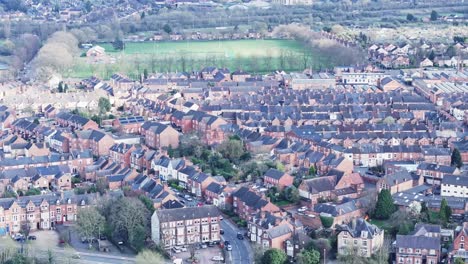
(161, 136)
(274, 177)
(460, 244)
(247, 203)
(121, 153)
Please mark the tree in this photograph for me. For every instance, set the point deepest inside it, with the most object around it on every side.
(147, 202)
(149, 257)
(292, 194)
(312, 171)
(309, 257)
(434, 15)
(118, 44)
(90, 223)
(327, 222)
(385, 206)
(167, 29)
(410, 17)
(274, 256)
(459, 261)
(431, 55)
(128, 218)
(88, 6)
(232, 150)
(60, 87)
(451, 51)
(104, 105)
(456, 158)
(445, 211)
(145, 74)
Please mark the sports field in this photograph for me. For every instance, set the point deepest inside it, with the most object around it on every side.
(258, 56)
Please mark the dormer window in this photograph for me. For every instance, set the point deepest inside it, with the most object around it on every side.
(462, 238)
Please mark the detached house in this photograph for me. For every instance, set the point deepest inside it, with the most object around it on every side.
(277, 178)
(365, 237)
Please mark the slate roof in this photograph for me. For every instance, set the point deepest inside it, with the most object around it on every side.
(420, 242)
(456, 180)
(356, 227)
(274, 173)
(250, 198)
(171, 215)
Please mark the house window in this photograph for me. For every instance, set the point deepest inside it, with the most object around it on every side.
(462, 245)
(462, 238)
(355, 242)
(410, 250)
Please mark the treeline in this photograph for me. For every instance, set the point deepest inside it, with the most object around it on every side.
(333, 52)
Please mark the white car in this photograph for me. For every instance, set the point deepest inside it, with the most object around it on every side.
(217, 258)
(229, 247)
(183, 249)
(176, 249)
(302, 209)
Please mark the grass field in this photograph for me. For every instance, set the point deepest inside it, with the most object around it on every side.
(257, 56)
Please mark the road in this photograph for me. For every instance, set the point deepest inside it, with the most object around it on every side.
(241, 250)
(62, 255)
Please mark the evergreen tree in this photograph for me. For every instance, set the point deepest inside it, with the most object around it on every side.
(385, 206)
(431, 55)
(434, 15)
(456, 158)
(60, 87)
(445, 211)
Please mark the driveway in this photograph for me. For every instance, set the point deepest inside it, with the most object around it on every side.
(241, 250)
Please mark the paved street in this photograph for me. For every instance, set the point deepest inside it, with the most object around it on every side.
(241, 250)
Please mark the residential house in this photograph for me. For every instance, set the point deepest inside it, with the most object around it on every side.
(398, 181)
(277, 178)
(359, 237)
(417, 249)
(246, 203)
(454, 186)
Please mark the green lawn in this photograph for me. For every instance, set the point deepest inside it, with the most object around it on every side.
(258, 56)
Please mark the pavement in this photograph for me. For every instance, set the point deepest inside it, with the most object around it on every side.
(241, 250)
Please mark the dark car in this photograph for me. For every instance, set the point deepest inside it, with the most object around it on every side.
(221, 232)
(240, 236)
(32, 237)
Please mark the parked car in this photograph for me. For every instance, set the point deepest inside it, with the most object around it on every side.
(211, 244)
(176, 249)
(302, 209)
(18, 237)
(187, 196)
(183, 249)
(240, 236)
(229, 247)
(203, 245)
(32, 237)
(221, 231)
(217, 258)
